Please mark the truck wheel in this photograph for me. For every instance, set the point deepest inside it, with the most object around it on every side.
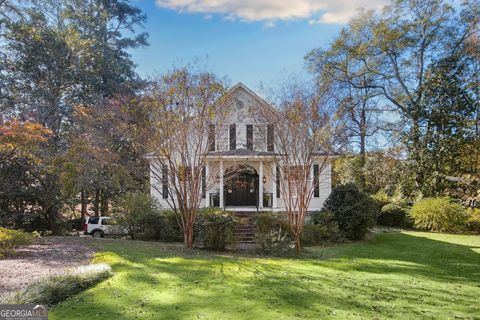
(97, 234)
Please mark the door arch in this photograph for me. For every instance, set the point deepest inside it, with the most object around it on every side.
(241, 186)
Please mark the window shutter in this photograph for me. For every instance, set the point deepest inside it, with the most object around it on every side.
(249, 137)
(233, 137)
(165, 181)
(277, 181)
(204, 183)
(316, 178)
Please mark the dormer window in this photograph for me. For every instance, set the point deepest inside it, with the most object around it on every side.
(233, 137)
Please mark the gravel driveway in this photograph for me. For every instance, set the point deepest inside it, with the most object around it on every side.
(48, 256)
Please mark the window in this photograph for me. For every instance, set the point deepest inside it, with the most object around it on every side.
(233, 137)
(316, 176)
(108, 222)
(204, 183)
(165, 181)
(93, 220)
(249, 137)
(270, 138)
(278, 178)
(211, 137)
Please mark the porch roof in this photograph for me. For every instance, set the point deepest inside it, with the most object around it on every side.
(240, 153)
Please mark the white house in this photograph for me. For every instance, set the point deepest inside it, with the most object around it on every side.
(241, 155)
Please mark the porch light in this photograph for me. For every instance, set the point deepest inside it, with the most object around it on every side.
(264, 179)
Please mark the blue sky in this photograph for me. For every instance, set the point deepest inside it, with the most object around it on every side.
(251, 41)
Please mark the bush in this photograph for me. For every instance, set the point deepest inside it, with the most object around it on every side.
(393, 215)
(473, 220)
(131, 209)
(215, 228)
(55, 289)
(272, 233)
(354, 211)
(323, 230)
(12, 239)
(159, 226)
(439, 214)
(27, 220)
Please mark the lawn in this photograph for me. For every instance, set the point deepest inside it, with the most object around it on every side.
(408, 275)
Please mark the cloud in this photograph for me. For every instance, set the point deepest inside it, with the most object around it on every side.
(316, 11)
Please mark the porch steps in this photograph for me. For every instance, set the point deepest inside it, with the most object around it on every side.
(245, 230)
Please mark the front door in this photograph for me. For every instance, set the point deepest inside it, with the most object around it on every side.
(241, 190)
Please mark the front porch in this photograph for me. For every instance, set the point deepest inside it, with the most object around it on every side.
(242, 184)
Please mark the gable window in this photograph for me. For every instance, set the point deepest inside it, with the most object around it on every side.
(211, 137)
(270, 138)
(165, 181)
(233, 137)
(249, 137)
(316, 179)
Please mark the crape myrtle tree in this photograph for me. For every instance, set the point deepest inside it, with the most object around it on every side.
(307, 131)
(184, 105)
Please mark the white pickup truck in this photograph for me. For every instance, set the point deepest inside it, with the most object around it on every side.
(98, 227)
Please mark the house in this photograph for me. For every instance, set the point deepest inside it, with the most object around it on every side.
(240, 164)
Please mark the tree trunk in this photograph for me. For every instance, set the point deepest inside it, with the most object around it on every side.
(363, 147)
(83, 200)
(298, 244)
(188, 237)
(104, 203)
(96, 202)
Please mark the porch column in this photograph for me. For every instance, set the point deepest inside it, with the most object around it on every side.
(274, 185)
(260, 185)
(207, 185)
(221, 185)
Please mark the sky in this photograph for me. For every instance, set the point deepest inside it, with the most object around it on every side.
(251, 41)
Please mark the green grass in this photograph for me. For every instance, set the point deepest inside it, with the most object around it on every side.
(409, 275)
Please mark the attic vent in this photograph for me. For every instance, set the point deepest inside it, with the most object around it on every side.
(239, 104)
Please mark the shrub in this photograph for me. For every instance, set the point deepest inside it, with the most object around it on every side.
(160, 226)
(393, 215)
(12, 239)
(131, 209)
(439, 214)
(473, 220)
(353, 210)
(215, 228)
(323, 229)
(272, 233)
(27, 220)
(55, 289)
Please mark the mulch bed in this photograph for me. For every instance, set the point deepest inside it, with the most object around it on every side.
(47, 256)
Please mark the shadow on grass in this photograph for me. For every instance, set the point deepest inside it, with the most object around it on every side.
(393, 275)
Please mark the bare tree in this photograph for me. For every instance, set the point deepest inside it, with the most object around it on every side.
(185, 105)
(307, 132)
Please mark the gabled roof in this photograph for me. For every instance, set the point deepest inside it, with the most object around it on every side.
(240, 86)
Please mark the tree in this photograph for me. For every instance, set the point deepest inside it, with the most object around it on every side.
(306, 134)
(446, 130)
(359, 108)
(394, 49)
(26, 170)
(183, 105)
(59, 55)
